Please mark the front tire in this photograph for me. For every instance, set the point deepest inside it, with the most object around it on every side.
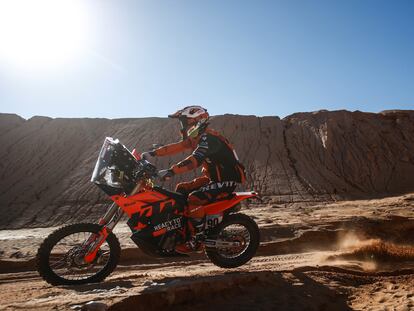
(221, 257)
(44, 255)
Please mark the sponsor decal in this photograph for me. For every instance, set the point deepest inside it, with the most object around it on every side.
(169, 225)
(203, 141)
(218, 185)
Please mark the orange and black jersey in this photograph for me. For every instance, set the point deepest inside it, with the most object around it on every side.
(213, 152)
(219, 158)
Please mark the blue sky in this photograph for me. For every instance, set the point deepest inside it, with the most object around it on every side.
(149, 58)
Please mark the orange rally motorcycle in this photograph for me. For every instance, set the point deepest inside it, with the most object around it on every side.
(87, 253)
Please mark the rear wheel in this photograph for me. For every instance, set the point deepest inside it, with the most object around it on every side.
(238, 228)
(60, 261)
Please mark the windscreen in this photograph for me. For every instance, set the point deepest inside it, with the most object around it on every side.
(116, 166)
(101, 173)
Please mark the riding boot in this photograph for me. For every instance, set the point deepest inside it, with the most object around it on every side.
(198, 225)
(196, 230)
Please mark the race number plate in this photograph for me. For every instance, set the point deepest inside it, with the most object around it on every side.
(213, 220)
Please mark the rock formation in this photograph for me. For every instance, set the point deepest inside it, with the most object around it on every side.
(46, 164)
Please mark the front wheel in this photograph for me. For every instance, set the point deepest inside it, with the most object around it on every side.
(60, 261)
(237, 229)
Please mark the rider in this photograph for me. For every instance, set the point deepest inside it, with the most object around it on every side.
(221, 169)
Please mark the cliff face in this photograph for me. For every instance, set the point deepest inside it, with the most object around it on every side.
(46, 164)
(353, 153)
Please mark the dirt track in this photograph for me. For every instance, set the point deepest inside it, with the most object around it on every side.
(291, 282)
(335, 256)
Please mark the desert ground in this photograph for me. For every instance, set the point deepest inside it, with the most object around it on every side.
(346, 255)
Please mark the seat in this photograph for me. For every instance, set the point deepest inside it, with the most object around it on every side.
(178, 197)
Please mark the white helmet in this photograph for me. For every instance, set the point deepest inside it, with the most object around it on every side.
(193, 120)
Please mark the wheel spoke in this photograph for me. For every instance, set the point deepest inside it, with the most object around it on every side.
(234, 233)
(66, 257)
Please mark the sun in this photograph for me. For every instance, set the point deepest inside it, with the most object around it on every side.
(41, 34)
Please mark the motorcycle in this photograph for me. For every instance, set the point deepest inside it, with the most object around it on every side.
(88, 252)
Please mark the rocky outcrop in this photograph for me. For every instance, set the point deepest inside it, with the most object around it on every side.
(45, 163)
(353, 153)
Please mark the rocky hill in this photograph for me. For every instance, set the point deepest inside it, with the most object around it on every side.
(46, 164)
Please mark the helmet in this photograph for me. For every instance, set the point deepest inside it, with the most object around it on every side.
(193, 120)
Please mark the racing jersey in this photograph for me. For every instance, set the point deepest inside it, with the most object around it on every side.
(212, 151)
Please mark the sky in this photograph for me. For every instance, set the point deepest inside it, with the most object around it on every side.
(133, 58)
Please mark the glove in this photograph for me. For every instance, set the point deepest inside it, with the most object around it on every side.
(165, 174)
(147, 154)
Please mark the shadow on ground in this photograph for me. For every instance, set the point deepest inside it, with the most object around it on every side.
(238, 291)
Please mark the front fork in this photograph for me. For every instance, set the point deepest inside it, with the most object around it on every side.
(108, 223)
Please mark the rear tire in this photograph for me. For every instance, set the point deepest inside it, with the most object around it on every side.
(43, 254)
(219, 259)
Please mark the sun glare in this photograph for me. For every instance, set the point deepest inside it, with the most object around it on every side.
(41, 34)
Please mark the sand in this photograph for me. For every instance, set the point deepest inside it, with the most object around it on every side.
(348, 255)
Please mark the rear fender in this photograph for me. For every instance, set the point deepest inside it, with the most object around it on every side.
(222, 206)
